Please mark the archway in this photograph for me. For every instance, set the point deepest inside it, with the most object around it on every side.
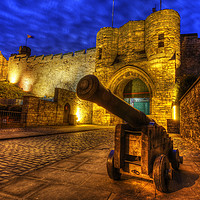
(66, 113)
(129, 75)
(137, 95)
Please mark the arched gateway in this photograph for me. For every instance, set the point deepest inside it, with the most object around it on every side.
(145, 53)
(133, 85)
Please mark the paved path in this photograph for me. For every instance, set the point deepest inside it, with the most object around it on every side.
(83, 176)
(19, 156)
(14, 133)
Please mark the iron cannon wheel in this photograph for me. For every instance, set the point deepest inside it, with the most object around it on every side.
(161, 169)
(113, 172)
(174, 158)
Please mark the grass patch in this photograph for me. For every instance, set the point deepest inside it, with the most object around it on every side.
(11, 91)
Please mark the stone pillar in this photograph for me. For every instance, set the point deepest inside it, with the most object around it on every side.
(30, 111)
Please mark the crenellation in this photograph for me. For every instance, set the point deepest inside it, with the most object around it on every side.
(90, 49)
(80, 52)
(57, 56)
(70, 54)
(41, 74)
(40, 57)
(48, 57)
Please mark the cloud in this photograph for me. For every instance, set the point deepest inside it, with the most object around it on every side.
(61, 26)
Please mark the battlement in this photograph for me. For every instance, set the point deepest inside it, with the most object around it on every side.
(190, 38)
(134, 25)
(41, 57)
(194, 35)
(50, 71)
(59, 56)
(80, 52)
(51, 56)
(48, 57)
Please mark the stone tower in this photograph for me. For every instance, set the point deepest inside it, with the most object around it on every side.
(145, 53)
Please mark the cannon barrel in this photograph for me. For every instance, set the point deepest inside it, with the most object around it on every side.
(89, 88)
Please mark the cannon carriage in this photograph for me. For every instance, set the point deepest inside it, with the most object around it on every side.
(142, 147)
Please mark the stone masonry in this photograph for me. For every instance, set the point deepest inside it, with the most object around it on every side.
(190, 55)
(151, 50)
(190, 111)
(142, 49)
(42, 74)
(41, 112)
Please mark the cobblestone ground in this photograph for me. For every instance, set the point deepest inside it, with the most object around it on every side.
(187, 147)
(19, 156)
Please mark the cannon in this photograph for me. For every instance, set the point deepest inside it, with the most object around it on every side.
(142, 147)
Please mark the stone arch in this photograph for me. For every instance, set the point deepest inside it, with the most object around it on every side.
(122, 76)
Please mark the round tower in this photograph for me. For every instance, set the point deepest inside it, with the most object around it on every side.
(162, 35)
(106, 45)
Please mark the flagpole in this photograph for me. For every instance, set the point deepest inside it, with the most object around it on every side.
(26, 41)
(160, 4)
(112, 13)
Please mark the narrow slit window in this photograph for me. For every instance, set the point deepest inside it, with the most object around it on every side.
(161, 36)
(100, 53)
(160, 44)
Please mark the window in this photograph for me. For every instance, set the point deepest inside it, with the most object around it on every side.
(161, 40)
(100, 53)
(161, 36)
(160, 44)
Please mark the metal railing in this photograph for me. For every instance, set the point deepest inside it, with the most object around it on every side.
(9, 119)
(11, 101)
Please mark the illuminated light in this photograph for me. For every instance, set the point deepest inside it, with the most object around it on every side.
(13, 76)
(78, 114)
(26, 84)
(13, 79)
(174, 112)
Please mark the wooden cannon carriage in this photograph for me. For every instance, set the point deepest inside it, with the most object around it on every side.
(142, 147)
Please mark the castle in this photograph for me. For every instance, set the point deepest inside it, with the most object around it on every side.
(141, 62)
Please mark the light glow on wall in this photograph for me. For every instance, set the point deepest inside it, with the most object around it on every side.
(174, 112)
(78, 114)
(13, 76)
(26, 84)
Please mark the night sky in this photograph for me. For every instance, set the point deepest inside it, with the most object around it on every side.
(62, 26)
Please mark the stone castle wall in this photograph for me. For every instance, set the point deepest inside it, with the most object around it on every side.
(190, 55)
(41, 112)
(3, 67)
(151, 50)
(141, 49)
(190, 111)
(42, 74)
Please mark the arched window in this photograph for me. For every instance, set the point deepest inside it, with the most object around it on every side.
(137, 95)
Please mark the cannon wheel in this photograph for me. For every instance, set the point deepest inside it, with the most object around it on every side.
(113, 172)
(161, 169)
(175, 159)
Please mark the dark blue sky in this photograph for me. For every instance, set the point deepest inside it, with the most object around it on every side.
(62, 26)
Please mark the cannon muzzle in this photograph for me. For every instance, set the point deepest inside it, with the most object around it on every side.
(89, 88)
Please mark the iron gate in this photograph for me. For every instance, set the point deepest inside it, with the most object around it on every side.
(10, 119)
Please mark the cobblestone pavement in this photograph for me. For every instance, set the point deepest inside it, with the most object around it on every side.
(187, 147)
(83, 176)
(19, 156)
